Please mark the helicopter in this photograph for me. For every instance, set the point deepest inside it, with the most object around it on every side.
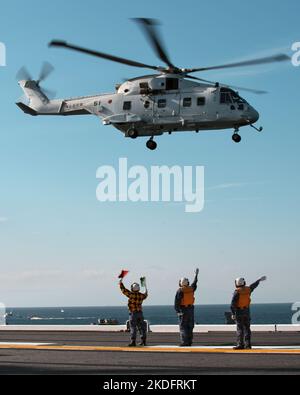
(171, 100)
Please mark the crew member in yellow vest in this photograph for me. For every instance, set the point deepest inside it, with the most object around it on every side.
(240, 307)
(184, 306)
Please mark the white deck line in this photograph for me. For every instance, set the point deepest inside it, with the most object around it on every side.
(288, 328)
(211, 328)
(24, 344)
(229, 347)
(63, 328)
(154, 328)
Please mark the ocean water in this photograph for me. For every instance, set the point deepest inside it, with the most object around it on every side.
(206, 315)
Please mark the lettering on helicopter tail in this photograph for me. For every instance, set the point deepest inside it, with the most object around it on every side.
(296, 56)
(158, 184)
(2, 55)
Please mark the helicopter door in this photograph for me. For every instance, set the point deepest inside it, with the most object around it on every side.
(167, 107)
(146, 109)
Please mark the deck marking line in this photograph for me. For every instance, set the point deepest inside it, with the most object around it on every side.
(171, 349)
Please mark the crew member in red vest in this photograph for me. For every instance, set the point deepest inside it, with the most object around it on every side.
(184, 306)
(240, 307)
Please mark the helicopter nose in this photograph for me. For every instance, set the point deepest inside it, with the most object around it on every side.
(254, 115)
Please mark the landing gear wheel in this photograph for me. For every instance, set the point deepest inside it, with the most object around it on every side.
(132, 133)
(236, 138)
(151, 145)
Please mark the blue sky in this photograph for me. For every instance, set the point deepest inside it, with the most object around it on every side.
(59, 246)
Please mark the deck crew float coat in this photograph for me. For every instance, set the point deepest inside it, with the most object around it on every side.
(240, 307)
(244, 299)
(241, 297)
(188, 298)
(184, 306)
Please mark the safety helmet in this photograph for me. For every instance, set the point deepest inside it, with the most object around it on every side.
(184, 282)
(240, 282)
(135, 287)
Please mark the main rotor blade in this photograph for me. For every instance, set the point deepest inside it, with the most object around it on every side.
(149, 28)
(46, 70)
(257, 92)
(128, 62)
(253, 62)
(238, 88)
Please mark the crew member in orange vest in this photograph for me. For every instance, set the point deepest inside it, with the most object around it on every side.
(240, 307)
(184, 306)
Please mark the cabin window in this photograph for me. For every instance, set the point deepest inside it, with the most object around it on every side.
(144, 88)
(172, 84)
(147, 104)
(187, 102)
(201, 101)
(162, 103)
(127, 106)
(144, 85)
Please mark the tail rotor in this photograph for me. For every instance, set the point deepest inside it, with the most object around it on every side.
(46, 70)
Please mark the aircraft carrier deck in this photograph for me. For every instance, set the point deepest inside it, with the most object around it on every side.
(98, 351)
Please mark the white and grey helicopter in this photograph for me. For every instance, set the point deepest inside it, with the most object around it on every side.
(172, 100)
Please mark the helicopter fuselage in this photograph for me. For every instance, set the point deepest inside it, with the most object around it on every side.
(152, 105)
(170, 101)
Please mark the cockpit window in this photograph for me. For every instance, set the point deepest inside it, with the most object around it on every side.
(237, 99)
(228, 96)
(225, 98)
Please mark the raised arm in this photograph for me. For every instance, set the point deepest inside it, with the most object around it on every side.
(256, 284)
(125, 291)
(195, 282)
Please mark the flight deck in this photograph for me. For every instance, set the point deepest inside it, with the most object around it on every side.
(102, 352)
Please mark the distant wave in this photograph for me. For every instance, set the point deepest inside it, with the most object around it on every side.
(59, 318)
